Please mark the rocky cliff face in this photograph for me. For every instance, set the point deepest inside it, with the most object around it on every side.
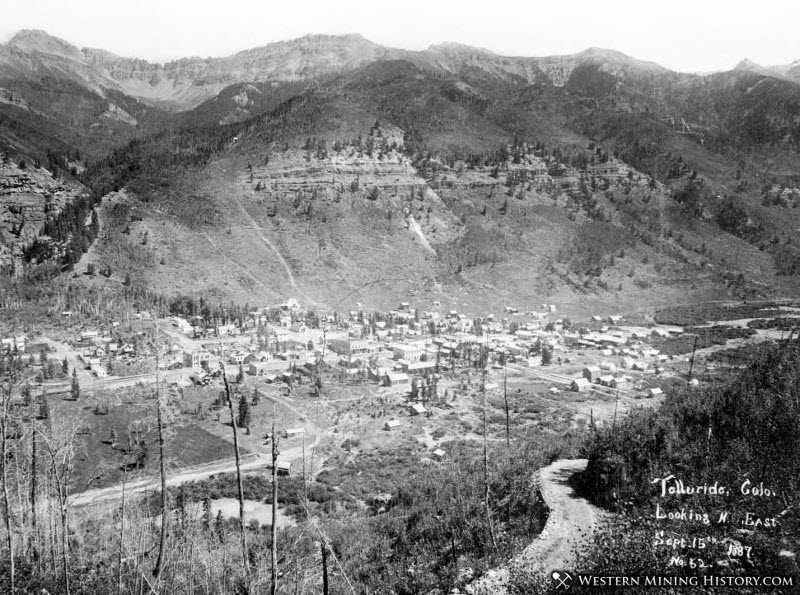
(185, 83)
(35, 54)
(29, 196)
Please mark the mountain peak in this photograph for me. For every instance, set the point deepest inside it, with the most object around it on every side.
(748, 64)
(454, 46)
(36, 40)
(332, 36)
(603, 52)
(326, 39)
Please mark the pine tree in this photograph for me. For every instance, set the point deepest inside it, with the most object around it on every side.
(141, 455)
(75, 389)
(547, 355)
(244, 412)
(219, 528)
(207, 513)
(44, 409)
(65, 366)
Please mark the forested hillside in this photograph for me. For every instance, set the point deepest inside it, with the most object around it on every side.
(742, 434)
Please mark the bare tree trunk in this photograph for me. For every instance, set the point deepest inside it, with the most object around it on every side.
(691, 360)
(191, 562)
(162, 542)
(242, 527)
(63, 495)
(274, 529)
(64, 535)
(34, 549)
(324, 549)
(121, 530)
(305, 483)
(486, 470)
(505, 399)
(329, 550)
(23, 538)
(6, 501)
(52, 525)
(138, 585)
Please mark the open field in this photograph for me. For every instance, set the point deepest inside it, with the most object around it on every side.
(100, 464)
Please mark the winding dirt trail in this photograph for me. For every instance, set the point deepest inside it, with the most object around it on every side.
(255, 227)
(571, 523)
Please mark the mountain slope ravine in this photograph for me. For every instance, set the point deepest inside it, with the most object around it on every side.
(571, 522)
(274, 249)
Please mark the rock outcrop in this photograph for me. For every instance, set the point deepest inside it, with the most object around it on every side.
(29, 196)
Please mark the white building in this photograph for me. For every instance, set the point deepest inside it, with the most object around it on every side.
(407, 351)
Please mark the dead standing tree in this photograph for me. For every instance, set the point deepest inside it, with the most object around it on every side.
(242, 526)
(4, 422)
(486, 465)
(162, 542)
(273, 529)
(505, 402)
(59, 442)
(34, 539)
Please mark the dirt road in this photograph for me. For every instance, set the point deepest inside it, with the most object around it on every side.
(571, 522)
(194, 473)
(186, 475)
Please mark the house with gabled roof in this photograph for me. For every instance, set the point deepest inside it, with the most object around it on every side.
(417, 409)
(591, 373)
(580, 385)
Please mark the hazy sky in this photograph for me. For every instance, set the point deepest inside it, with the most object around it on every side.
(686, 35)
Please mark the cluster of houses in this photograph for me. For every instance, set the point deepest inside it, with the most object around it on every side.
(604, 374)
(610, 375)
(94, 349)
(17, 343)
(392, 348)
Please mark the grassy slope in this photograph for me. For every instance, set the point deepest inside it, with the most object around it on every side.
(347, 244)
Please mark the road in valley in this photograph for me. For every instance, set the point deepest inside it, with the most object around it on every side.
(194, 473)
(188, 474)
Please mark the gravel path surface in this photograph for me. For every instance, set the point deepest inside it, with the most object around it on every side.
(571, 522)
